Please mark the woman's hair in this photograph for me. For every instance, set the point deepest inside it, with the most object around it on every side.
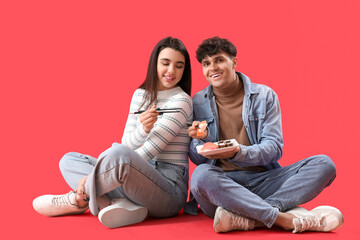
(212, 46)
(151, 81)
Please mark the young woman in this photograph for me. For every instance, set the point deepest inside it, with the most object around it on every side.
(148, 173)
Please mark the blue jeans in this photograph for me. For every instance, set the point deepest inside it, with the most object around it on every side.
(120, 172)
(261, 195)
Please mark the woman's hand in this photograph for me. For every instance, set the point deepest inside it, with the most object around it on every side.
(148, 118)
(192, 131)
(81, 197)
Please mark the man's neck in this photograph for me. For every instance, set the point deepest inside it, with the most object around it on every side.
(228, 91)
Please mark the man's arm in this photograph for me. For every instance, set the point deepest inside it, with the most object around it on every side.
(269, 140)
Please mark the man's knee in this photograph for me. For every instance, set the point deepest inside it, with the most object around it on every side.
(327, 163)
(325, 166)
(202, 177)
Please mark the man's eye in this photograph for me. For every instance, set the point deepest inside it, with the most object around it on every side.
(205, 64)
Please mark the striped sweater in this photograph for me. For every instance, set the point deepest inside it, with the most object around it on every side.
(168, 140)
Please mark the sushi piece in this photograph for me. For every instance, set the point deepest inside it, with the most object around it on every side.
(201, 129)
(209, 146)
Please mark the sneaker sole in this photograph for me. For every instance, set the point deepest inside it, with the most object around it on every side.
(114, 217)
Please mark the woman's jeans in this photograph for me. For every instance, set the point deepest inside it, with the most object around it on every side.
(120, 172)
(261, 195)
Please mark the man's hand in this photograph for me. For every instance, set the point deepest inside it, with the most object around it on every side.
(192, 131)
(224, 155)
(148, 118)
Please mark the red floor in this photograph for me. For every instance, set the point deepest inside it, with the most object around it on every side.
(183, 226)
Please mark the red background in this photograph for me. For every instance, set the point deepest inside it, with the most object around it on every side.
(68, 70)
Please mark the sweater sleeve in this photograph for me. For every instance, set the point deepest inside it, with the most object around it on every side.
(134, 135)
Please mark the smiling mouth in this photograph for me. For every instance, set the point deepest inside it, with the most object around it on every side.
(215, 75)
(169, 78)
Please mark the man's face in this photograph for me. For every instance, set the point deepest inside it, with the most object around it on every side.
(219, 69)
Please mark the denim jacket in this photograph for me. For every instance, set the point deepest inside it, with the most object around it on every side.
(262, 120)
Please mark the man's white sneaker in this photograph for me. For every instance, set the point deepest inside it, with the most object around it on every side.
(122, 212)
(226, 221)
(57, 205)
(320, 219)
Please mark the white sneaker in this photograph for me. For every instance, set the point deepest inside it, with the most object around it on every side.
(320, 219)
(122, 212)
(226, 221)
(57, 205)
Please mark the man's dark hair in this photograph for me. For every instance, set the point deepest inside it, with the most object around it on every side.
(212, 46)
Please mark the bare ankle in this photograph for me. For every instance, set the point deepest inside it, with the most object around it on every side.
(285, 221)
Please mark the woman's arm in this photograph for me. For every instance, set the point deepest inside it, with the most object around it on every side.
(134, 134)
(167, 127)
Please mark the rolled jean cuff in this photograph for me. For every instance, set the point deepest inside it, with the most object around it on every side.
(273, 218)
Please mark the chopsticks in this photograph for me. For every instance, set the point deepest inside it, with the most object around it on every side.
(161, 110)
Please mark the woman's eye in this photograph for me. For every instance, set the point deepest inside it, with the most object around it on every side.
(180, 66)
(165, 63)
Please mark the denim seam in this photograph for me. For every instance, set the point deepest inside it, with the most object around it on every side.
(134, 167)
(273, 204)
(283, 173)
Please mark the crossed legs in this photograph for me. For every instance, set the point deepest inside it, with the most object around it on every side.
(264, 196)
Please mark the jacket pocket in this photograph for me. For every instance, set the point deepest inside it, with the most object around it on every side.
(254, 123)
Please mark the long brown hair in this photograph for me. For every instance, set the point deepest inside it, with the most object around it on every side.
(151, 81)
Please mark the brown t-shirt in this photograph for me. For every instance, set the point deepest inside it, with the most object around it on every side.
(229, 103)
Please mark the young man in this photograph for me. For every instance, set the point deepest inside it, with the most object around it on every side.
(246, 187)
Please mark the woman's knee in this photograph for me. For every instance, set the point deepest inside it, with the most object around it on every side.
(65, 162)
(117, 154)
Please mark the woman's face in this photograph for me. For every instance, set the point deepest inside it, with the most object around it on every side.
(170, 68)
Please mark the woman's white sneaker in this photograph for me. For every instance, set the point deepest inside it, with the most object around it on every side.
(122, 212)
(58, 205)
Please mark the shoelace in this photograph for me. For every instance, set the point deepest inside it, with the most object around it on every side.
(307, 223)
(240, 222)
(62, 200)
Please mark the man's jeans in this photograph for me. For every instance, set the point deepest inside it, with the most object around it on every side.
(261, 195)
(120, 172)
